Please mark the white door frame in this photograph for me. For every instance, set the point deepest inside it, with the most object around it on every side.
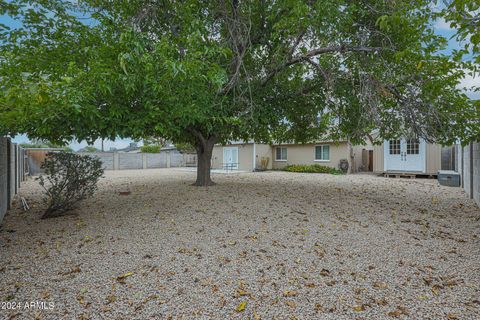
(230, 158)
(399, 162)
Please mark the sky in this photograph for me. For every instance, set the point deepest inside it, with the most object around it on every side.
(75, 145)
(440, 26)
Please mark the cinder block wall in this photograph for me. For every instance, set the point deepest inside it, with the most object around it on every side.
(3, 178)
(107, 158)
(132, 161)
(476, 172)
(11, 173)
(469, 169)
(466, 169)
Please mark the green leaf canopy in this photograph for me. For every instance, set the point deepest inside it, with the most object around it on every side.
(190, 71)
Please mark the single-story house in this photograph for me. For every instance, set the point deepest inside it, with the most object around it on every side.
(407, 156)
(250, 156)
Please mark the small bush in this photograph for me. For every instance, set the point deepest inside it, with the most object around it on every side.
(69, 178)
(314, 168)
(264, 163)
(150, 148)
(185, 148)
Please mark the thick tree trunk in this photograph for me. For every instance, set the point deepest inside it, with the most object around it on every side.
(204, 158)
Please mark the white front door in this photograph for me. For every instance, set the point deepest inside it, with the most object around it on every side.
(405, 155)
(230, 158)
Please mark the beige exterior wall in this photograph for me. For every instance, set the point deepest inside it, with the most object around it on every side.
(305, 154)
(296, 154)
(359, 157)
(263, 151)
(378, 158)
(245, 156)
(433, 158)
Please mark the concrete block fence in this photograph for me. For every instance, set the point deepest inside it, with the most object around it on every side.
(120, 160)
(129, 161)
(468, 165)
(12, 173)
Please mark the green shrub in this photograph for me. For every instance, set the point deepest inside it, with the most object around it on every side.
(185, 147)
(314, 168)
(69, 178)
(90, 149)
(150, 148)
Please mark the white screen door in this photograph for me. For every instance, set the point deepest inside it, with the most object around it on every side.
(230, 157)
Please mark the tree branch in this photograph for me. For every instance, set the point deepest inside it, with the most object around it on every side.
(314, 53)
(296, 43)
(199, 136)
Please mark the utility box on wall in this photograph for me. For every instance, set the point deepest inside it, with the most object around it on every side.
(449, 178)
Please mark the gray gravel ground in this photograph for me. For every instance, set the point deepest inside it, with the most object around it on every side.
(281, 245)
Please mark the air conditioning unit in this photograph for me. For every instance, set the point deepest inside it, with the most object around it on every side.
(449, 178)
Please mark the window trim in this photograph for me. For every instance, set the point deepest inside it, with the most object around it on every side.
(413, 146)
(281, 160)
(398, 143)
(315, 153)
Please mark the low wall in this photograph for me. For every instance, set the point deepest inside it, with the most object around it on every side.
(130, 161)
(468, 165)
(12, 173)
(3, 177)
(119, 160)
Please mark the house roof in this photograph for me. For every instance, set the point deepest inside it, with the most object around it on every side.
(131, 148)
(275, 143)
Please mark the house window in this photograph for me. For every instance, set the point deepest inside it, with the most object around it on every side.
(394, 146)
(322, 153)
(413, 146)
(281, 154)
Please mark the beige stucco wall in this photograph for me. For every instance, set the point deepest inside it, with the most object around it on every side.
(305, 154)
(359, 157)
(245, 156)
(265, 151)
(296, 154)
(378, 158)
(433, 158)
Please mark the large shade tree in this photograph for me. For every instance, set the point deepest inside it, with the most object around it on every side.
(206, 72)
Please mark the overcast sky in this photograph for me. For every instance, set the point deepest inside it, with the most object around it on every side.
(441, 28)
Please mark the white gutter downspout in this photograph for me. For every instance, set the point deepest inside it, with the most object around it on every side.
(254, 156)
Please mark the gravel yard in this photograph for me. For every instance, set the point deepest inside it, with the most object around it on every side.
(270, 245)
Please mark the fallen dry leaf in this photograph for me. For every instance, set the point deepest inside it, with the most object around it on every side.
(319, 308)
(359, 308)
(122, 278)
(379, 285)
(241, 307)
(288, 293)
(111, 298)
